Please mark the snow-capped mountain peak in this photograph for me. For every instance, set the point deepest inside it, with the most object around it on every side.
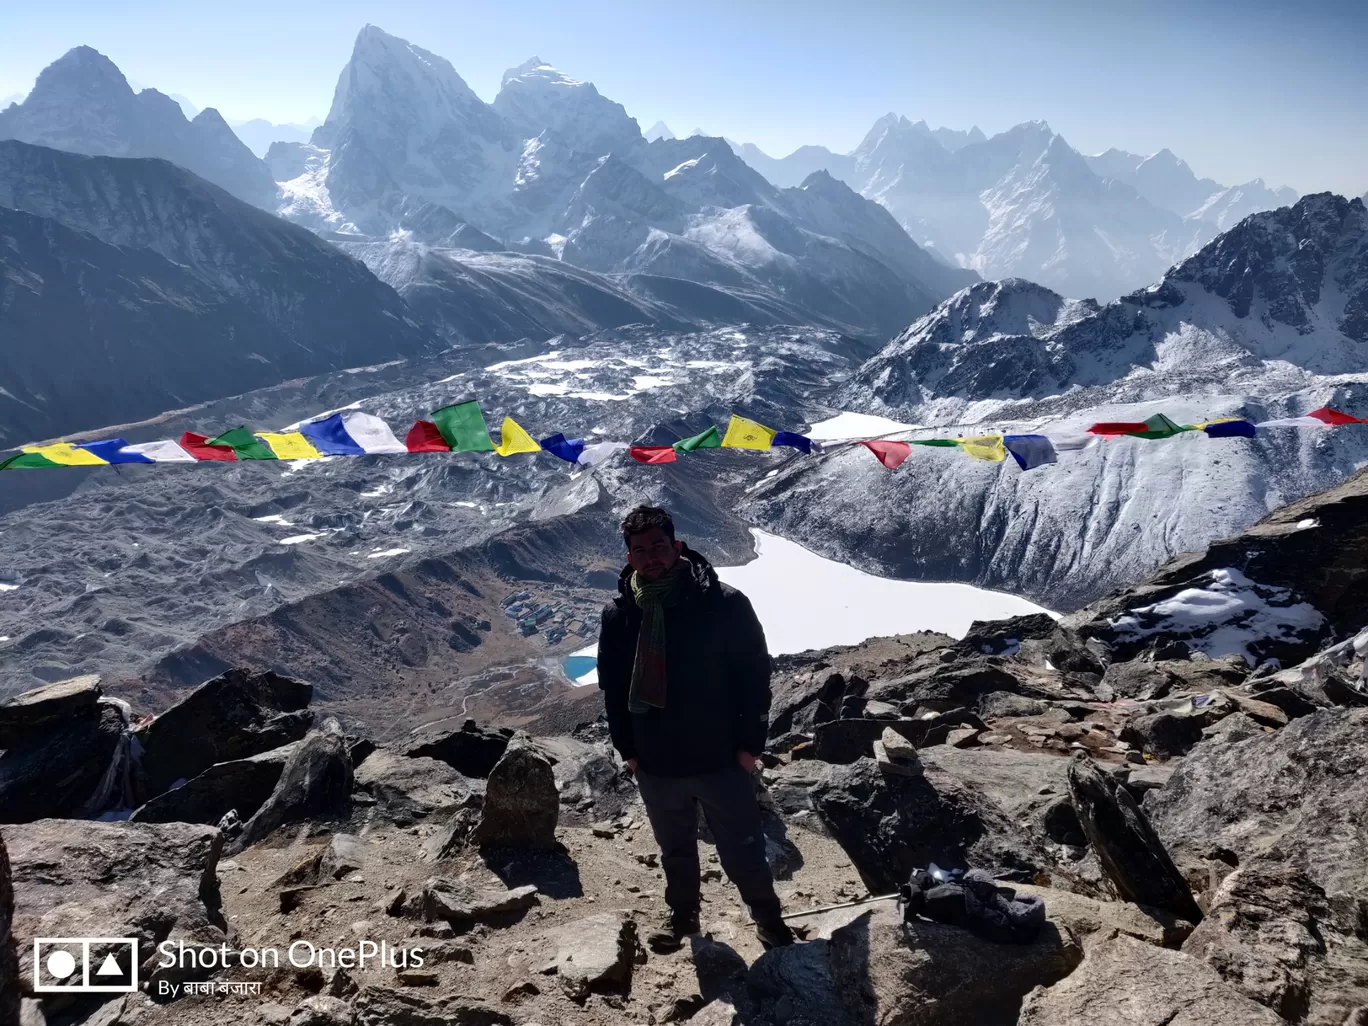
(1305, 268)
(1238, 315)
(536, 97)
(404, 121)
(534, 68)
(954, 140)
(420, 87)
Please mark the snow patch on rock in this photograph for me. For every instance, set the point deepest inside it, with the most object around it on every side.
(1224, 616)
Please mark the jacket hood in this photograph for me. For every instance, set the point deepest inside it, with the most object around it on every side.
(702, 576)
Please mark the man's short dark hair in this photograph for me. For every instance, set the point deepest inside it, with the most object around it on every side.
(642, 519)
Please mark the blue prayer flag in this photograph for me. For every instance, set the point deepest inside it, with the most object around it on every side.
(329, 436)
(792, 440)
(1030, 451)
(108, 450)
(568, 449)
(1229, 429)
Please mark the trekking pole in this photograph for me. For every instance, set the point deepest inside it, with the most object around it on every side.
(846, 904)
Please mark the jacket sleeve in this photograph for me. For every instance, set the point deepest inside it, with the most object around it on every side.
(615, 657)
(748, 660)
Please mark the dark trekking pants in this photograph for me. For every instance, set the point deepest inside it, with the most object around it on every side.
(733, 815)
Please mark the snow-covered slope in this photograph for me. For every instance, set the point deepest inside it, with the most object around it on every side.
(81, 102)
(1269, 320)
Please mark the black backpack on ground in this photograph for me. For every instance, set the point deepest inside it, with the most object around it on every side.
(975, 902)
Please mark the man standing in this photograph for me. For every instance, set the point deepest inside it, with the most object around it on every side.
(686, 680)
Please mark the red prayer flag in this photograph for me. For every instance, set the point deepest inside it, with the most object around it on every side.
(194, 445)
(890, 454)
(1335, 417)
(653, 453)
(1122, 427)
(424, 437)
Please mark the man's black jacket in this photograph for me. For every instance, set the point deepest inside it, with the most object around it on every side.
(717, 676)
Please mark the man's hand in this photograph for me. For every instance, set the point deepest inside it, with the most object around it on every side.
(631, 765)
(748, 762)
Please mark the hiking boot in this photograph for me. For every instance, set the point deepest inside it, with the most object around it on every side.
(774, 935)
(672, 933)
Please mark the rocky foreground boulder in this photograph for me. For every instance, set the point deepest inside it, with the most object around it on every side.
(235, 715)
(521, 804)
(1124, 982)
(1281, 940)
(890, 824)
(1295, 796)
(9, 957)
(876, 969)
(56, 746)
(152, 882)
(238, 785)
(315, 783)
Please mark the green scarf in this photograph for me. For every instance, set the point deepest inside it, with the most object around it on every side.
(648, 671)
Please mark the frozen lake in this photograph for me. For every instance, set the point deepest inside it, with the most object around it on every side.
(805, 601)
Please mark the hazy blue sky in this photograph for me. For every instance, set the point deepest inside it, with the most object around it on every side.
(1240, 89)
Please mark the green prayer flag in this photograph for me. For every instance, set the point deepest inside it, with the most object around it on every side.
(247, 445)
(27, 461)
(709, 439)
(1161, 427)
(463, 427)
(948, 443)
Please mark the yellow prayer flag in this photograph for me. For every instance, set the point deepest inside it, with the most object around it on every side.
(512, 438)
(984, 447)
(290, 445)
(67, 455)
(747, 434)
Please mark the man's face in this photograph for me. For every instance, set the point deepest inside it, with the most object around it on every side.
(652, 554)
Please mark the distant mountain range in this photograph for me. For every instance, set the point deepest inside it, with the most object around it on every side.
(552, 168)
(82, 103)
(258, 133)
(548, 212)
(1026, 204)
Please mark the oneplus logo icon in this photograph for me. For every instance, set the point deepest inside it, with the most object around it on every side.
(85, 965)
